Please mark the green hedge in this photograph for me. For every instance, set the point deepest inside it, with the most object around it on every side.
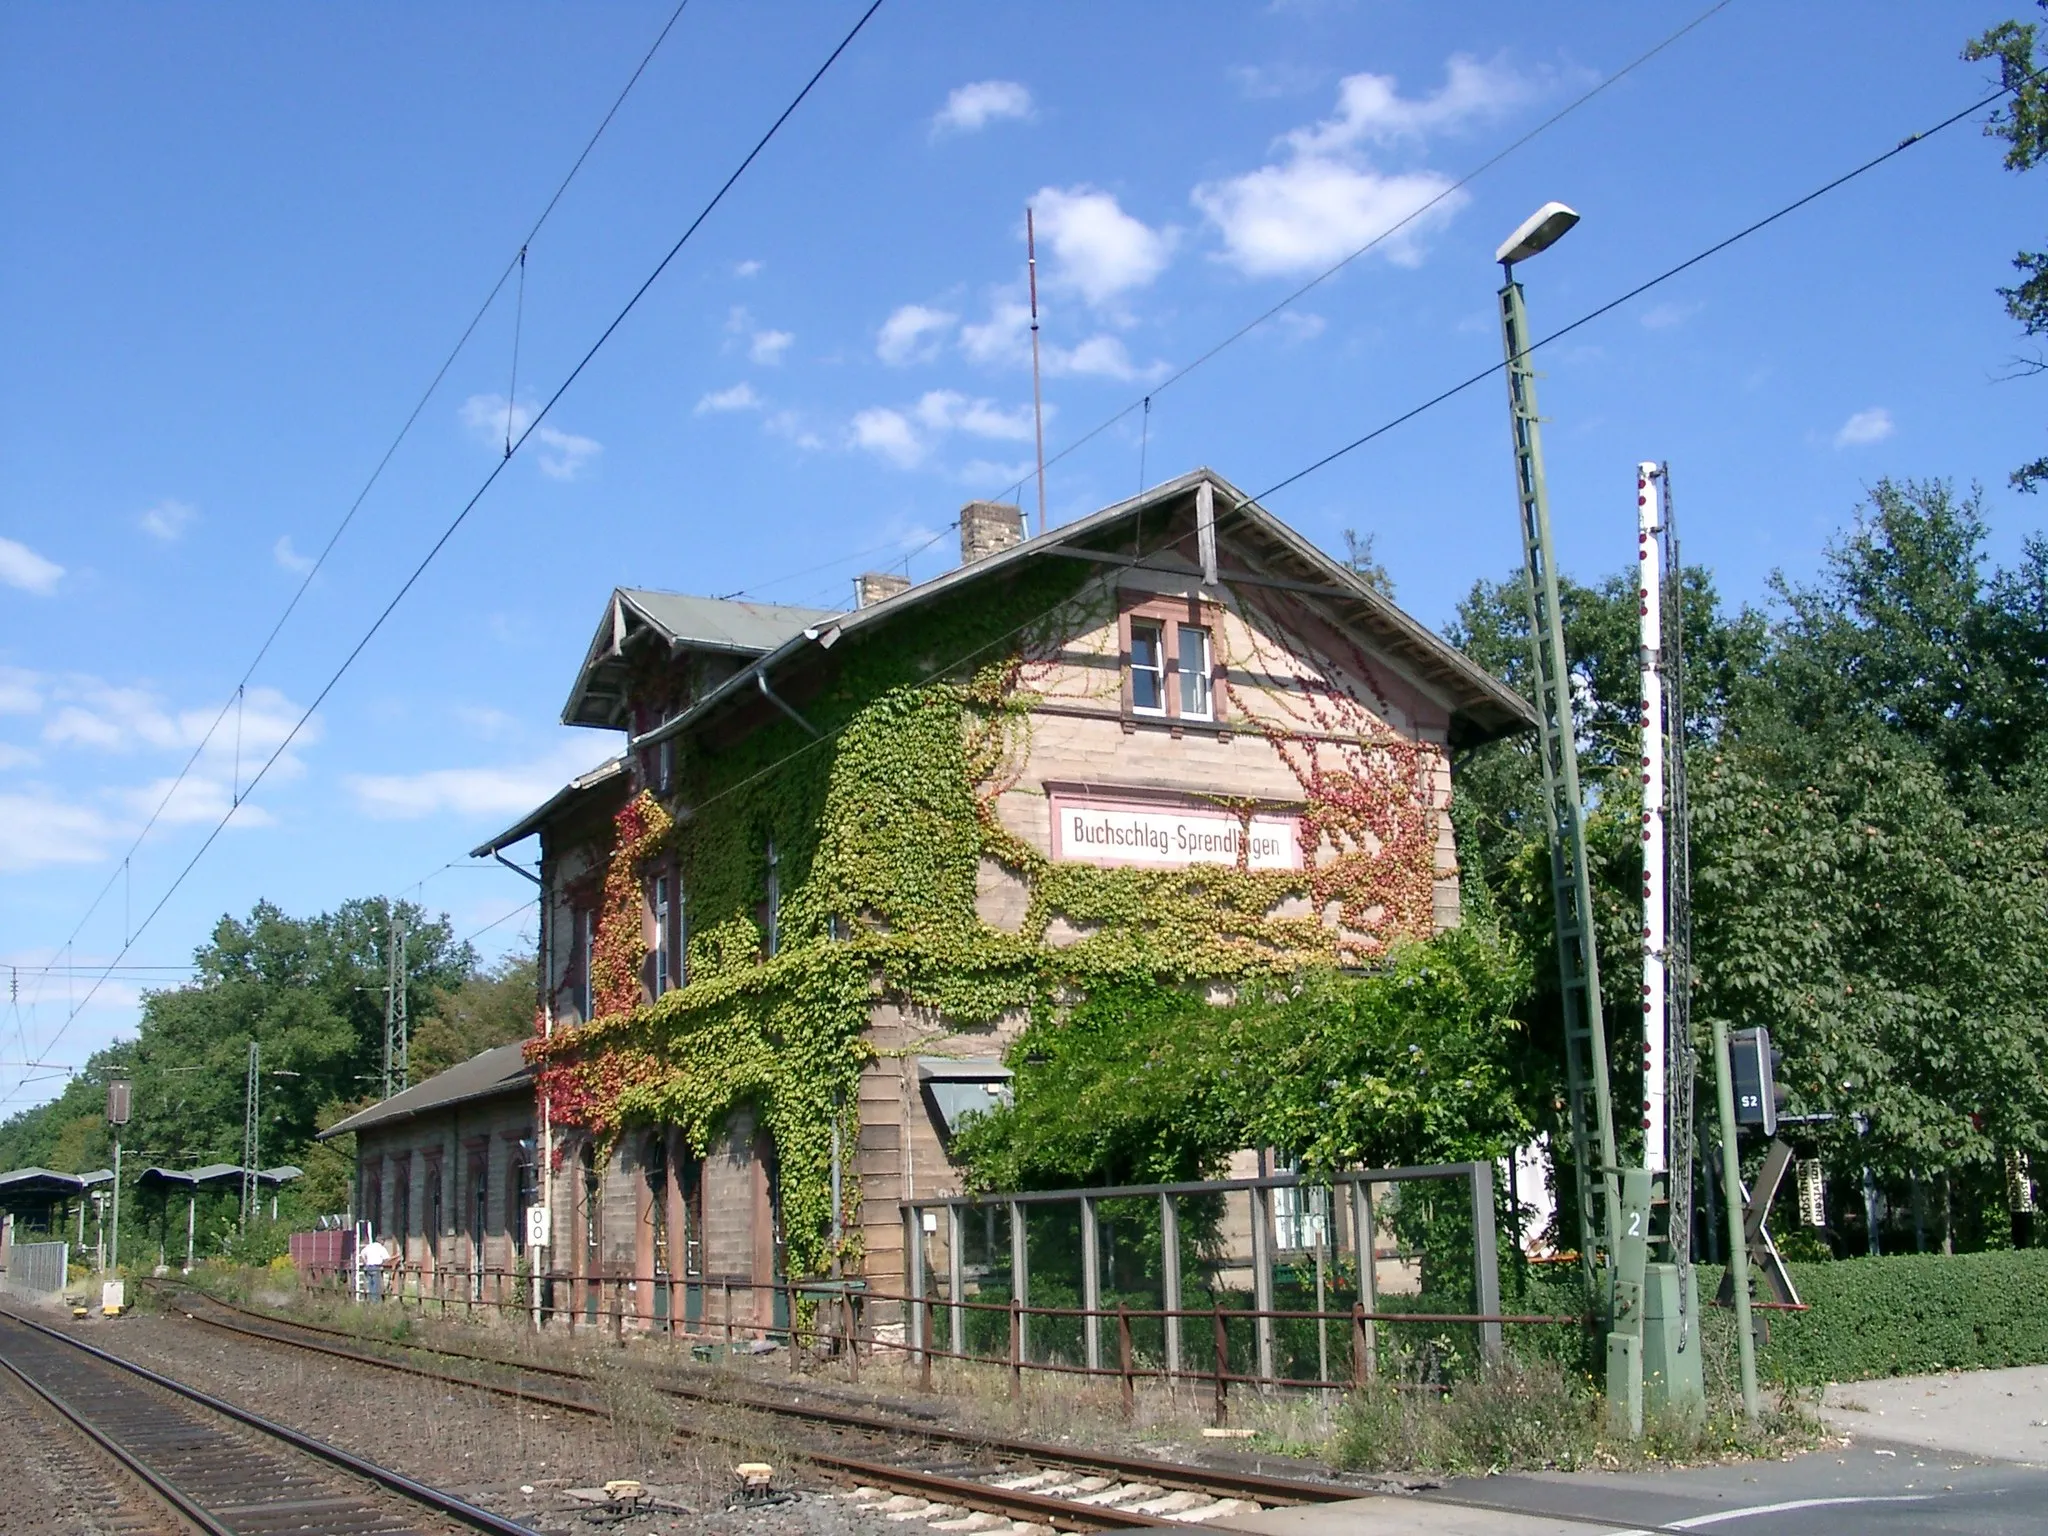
(1909, 1314)
(1903, 1315)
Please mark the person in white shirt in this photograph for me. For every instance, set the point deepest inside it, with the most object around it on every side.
(375, 1256)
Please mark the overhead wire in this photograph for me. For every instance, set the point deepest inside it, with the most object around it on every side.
(312, 572)
(490, 478)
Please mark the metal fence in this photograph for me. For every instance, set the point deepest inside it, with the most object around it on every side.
(39, 1268)
(1245, 1226)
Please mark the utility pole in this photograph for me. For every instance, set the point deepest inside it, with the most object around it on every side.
(1654, 1346)
(117, 1116)
(251, 1139)
(395, 1063)
(1590, 1107)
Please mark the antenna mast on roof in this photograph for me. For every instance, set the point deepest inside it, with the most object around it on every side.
(1037, 400)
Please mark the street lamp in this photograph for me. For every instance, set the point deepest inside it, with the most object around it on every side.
(1537, 233)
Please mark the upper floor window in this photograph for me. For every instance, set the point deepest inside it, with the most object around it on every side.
(773, 916)
(585, 938)
(664, 955)
(1195, 702)
(1148, 667)
(664, 765)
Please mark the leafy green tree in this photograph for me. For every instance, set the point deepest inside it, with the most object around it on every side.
(308, 991)
(489, 1007)
(2023, 124)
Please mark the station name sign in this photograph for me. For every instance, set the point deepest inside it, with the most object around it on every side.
(1094, 830)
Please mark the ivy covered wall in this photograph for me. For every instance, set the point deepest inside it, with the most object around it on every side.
(919, 786)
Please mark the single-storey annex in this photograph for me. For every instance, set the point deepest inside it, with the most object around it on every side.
(791, 927)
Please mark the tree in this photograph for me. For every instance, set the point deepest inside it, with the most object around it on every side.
(1360, 560)
(2023, 124)
(308, 991)
(493, 1006)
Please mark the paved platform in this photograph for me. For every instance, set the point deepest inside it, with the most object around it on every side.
(1998, 1414)
(1859, 1490)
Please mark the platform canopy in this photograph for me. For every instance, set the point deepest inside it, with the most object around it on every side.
(211, 1176)
(37, 1189)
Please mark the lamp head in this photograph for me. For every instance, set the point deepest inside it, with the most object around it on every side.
(1539, 232)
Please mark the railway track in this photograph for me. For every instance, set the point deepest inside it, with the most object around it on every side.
(978, 1483)
(215, 1467)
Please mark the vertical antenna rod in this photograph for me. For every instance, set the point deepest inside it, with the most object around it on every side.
(1037, 400)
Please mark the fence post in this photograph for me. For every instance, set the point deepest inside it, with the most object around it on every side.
(1123, 1358)
(1366, 1365)
(1485, 1261)
(1262, 1282)
(725, 1291)
(852, 1336)
(1020, 1276)
(915, 1333)
(795, 1339)
(1091, 1284)
(956, 1279)
(1016, 1348)
(1169, 1282)
(1222, 1367)
(1358, 1356)
(924, 1355)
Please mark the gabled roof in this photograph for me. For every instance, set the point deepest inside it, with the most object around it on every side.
(532, 821)
(1263, 551)
(503, 1069)
(715, 626)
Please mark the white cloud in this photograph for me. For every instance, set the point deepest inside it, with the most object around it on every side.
(1299, 325)
(889, 434)
(913, 334)
(22, 567)
(12, 756)
(21, 692)
(476, 792)
(106, 717)
(494, 419)
(194, 800)
(1263, 82)
(792, 426)
(769, 346)
(1323, 199)
(906, 437)
(1865, 428)
(1313, 211)
(1097, 248)
(485, 721)
(288, 558)
(747, 269)
(970, 108)
(1004, 340)
(37, 830)
(945, 410)
(740, 397)
(563, 454)
(168, 520)
(1371, 108)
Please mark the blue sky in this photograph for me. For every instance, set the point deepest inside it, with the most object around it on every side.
(236, 241)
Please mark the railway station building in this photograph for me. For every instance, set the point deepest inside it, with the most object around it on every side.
(791, 928)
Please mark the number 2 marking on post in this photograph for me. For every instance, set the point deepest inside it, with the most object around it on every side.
(1635, 1223)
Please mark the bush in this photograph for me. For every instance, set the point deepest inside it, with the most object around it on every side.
(1907, 1314)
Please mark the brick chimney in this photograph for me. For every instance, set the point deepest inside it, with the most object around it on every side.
(872, 587)
(989, 526)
